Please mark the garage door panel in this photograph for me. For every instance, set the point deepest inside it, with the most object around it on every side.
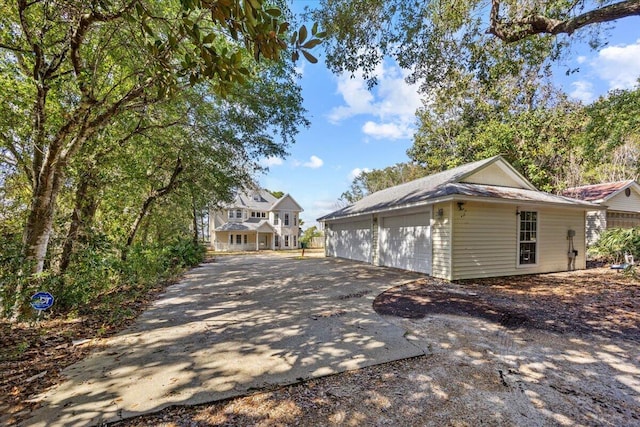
(352, 240)
(405, 242)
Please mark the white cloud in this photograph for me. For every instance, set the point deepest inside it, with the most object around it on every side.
(357, 171)
(314, 162)
(271, 161)
(392, 102)
(583, 91)
(387, 130)
(581, 59)
(619, 65)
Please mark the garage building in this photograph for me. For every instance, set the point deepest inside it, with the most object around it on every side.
(482, 219)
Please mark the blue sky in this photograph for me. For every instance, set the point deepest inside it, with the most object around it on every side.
(353, 129)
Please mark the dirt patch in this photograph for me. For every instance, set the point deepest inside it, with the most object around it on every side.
(591, 302)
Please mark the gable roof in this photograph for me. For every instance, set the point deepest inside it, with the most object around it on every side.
(599, 193)
(284, 198)
(448, 185)
(248, 200)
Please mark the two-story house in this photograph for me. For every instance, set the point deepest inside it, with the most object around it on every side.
(256, 221)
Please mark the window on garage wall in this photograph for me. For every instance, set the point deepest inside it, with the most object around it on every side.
(528, 238)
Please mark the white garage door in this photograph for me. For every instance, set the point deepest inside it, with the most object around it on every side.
(405, 242)
(351, 240)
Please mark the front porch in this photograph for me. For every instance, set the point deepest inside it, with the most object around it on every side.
(226, 241)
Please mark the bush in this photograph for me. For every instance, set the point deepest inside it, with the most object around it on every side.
(96, 275)
(614, 243)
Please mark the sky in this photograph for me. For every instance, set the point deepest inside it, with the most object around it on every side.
(354, 129)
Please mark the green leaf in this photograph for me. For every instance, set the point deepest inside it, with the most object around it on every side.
(314, 29)
(274, 12)
(303, 34)
(311, 44)
(309, 57)
(256, 4)
(209, 38)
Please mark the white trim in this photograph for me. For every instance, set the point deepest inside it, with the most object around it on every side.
(536, 241)
(586, 207)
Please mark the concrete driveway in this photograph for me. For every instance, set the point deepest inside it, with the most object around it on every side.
(230, 327)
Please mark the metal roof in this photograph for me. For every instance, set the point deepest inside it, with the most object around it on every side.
(596, 192)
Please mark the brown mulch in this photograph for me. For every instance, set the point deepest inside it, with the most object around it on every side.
(596, 302)
(591, 302)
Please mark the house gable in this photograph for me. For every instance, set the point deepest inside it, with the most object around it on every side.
(286, 203)
(498, 173)
(623, 200)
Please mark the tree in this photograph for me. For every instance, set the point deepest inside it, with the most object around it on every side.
(549, 17)
(309, 234)
(276, 194)
(72, 71)
(436, 39)
(76, 67)
(378, 179)
(610, 142)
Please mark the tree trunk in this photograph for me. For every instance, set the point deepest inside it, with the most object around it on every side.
(195, 223)
(39, 225)
(173, 182)
(81, 218)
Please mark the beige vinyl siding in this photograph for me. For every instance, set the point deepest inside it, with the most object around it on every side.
(484, 240)
(494, 175)
(620, 202)
(441, 235)
(554, 245)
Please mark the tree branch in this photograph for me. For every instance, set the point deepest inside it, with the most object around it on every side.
(512, 31)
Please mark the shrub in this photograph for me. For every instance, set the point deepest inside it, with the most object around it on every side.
(614, 243)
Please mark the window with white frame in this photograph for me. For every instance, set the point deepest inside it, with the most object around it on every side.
(276, 219)
(286, 219)
(230, 214)
(295, 241)
(295, 220)
(245, 239)
(253, 214)
(528, 238)
(231, 239)
(286, 241)
(277, 241)
(238, 213)
(263, 214)
(238, 239)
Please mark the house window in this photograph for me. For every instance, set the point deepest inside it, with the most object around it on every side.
(230, 214)
(256, 198)
(528, 238)
(295, 220)
(295, 241)
(238, 213)
(286, 241)
(238, 239)
(276, 220)
(231, 239)
(263, 214)
(277, 242)
(286, 219)
(245, 239)
(253, 214)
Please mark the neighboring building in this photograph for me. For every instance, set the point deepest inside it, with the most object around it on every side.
(481, 219)
(622, 202)
(256, 221)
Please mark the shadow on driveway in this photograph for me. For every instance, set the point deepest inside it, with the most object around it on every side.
(230, 327)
